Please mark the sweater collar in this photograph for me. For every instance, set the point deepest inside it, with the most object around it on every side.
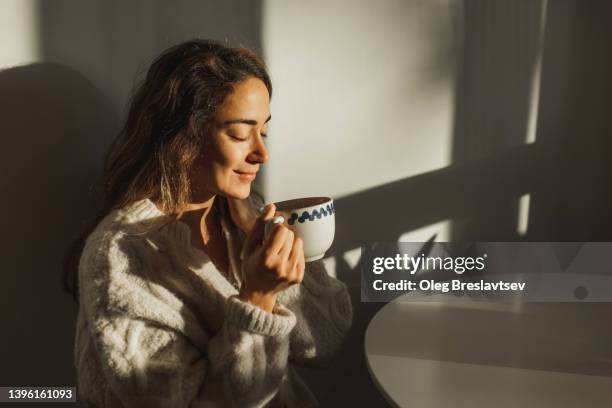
(143, 210)
(143, 215)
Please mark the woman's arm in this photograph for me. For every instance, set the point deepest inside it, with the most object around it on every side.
(154, 355)
(324, 315)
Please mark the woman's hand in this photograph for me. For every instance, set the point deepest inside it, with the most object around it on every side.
(272, 266)
(243, 213)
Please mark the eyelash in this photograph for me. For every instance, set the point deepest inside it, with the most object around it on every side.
(264, 135)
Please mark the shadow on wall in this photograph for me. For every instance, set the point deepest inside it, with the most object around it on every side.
(112, 42)
(53, 121)
(574, 197)
(566, 170)
(58, 119)
(493, 97)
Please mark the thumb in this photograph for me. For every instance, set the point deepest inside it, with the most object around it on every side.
(256, 235)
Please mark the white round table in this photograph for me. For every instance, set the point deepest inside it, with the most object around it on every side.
(447, 354)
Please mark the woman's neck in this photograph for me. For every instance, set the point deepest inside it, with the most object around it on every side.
(204, 205)
(203, 220)
(201, 217)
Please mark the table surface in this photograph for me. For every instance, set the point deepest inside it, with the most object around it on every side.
(480, 354)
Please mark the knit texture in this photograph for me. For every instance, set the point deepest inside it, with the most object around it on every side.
(160, 326)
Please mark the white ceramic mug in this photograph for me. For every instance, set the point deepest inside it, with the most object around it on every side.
(312, 219)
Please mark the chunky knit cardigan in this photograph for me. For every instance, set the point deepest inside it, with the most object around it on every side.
(160, 326)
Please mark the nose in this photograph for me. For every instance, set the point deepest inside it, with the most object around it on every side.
(259, 152)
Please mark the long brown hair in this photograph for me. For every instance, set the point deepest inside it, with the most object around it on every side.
(163, 134)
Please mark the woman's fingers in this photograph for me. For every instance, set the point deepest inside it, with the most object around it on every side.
(281, 250)
(302, 265)
(275, 265)
(276, 241)
(287, 245)
(256, 234)
(282, 258)
(296, 261)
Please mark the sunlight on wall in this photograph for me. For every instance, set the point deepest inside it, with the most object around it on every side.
(523, 214)
(534, 100)
(18, 33)
(352, 257)
(353, 107)
(330, 265)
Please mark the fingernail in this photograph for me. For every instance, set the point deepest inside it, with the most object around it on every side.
(278, 220)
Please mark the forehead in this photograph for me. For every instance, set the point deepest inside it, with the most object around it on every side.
(249, 100)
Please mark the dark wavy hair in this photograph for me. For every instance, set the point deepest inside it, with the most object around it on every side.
(170, 112)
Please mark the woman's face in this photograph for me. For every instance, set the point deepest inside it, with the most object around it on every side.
(234, 147)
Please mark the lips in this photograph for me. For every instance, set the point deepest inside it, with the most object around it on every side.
(247, 176)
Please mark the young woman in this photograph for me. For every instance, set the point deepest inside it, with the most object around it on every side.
(182, 301)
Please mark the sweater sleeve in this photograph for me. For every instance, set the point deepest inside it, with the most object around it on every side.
(324, 315)
(150, 359)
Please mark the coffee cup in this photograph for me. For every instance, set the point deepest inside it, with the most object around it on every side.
(312, 219)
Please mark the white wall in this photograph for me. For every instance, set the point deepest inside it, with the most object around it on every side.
(364, 92)
(18, 32)
(364, 95)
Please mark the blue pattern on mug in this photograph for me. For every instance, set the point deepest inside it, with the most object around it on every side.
(329, 209)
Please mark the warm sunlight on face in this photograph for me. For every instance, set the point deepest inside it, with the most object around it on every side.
(234, 148)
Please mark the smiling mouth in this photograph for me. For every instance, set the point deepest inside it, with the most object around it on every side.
(245, 176)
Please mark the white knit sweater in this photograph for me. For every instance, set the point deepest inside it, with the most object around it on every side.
(160, 326)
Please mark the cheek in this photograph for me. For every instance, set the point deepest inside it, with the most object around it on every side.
(227, 159)
(215, 168)
(216, 156)
(230, 156)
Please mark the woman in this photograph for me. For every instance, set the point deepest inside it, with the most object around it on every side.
(175, 310)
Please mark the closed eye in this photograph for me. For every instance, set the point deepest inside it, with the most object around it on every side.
(241, 139)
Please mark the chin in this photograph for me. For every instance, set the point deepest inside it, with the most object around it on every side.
(237, 193)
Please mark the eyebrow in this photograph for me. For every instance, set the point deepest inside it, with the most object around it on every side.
(251, 122)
